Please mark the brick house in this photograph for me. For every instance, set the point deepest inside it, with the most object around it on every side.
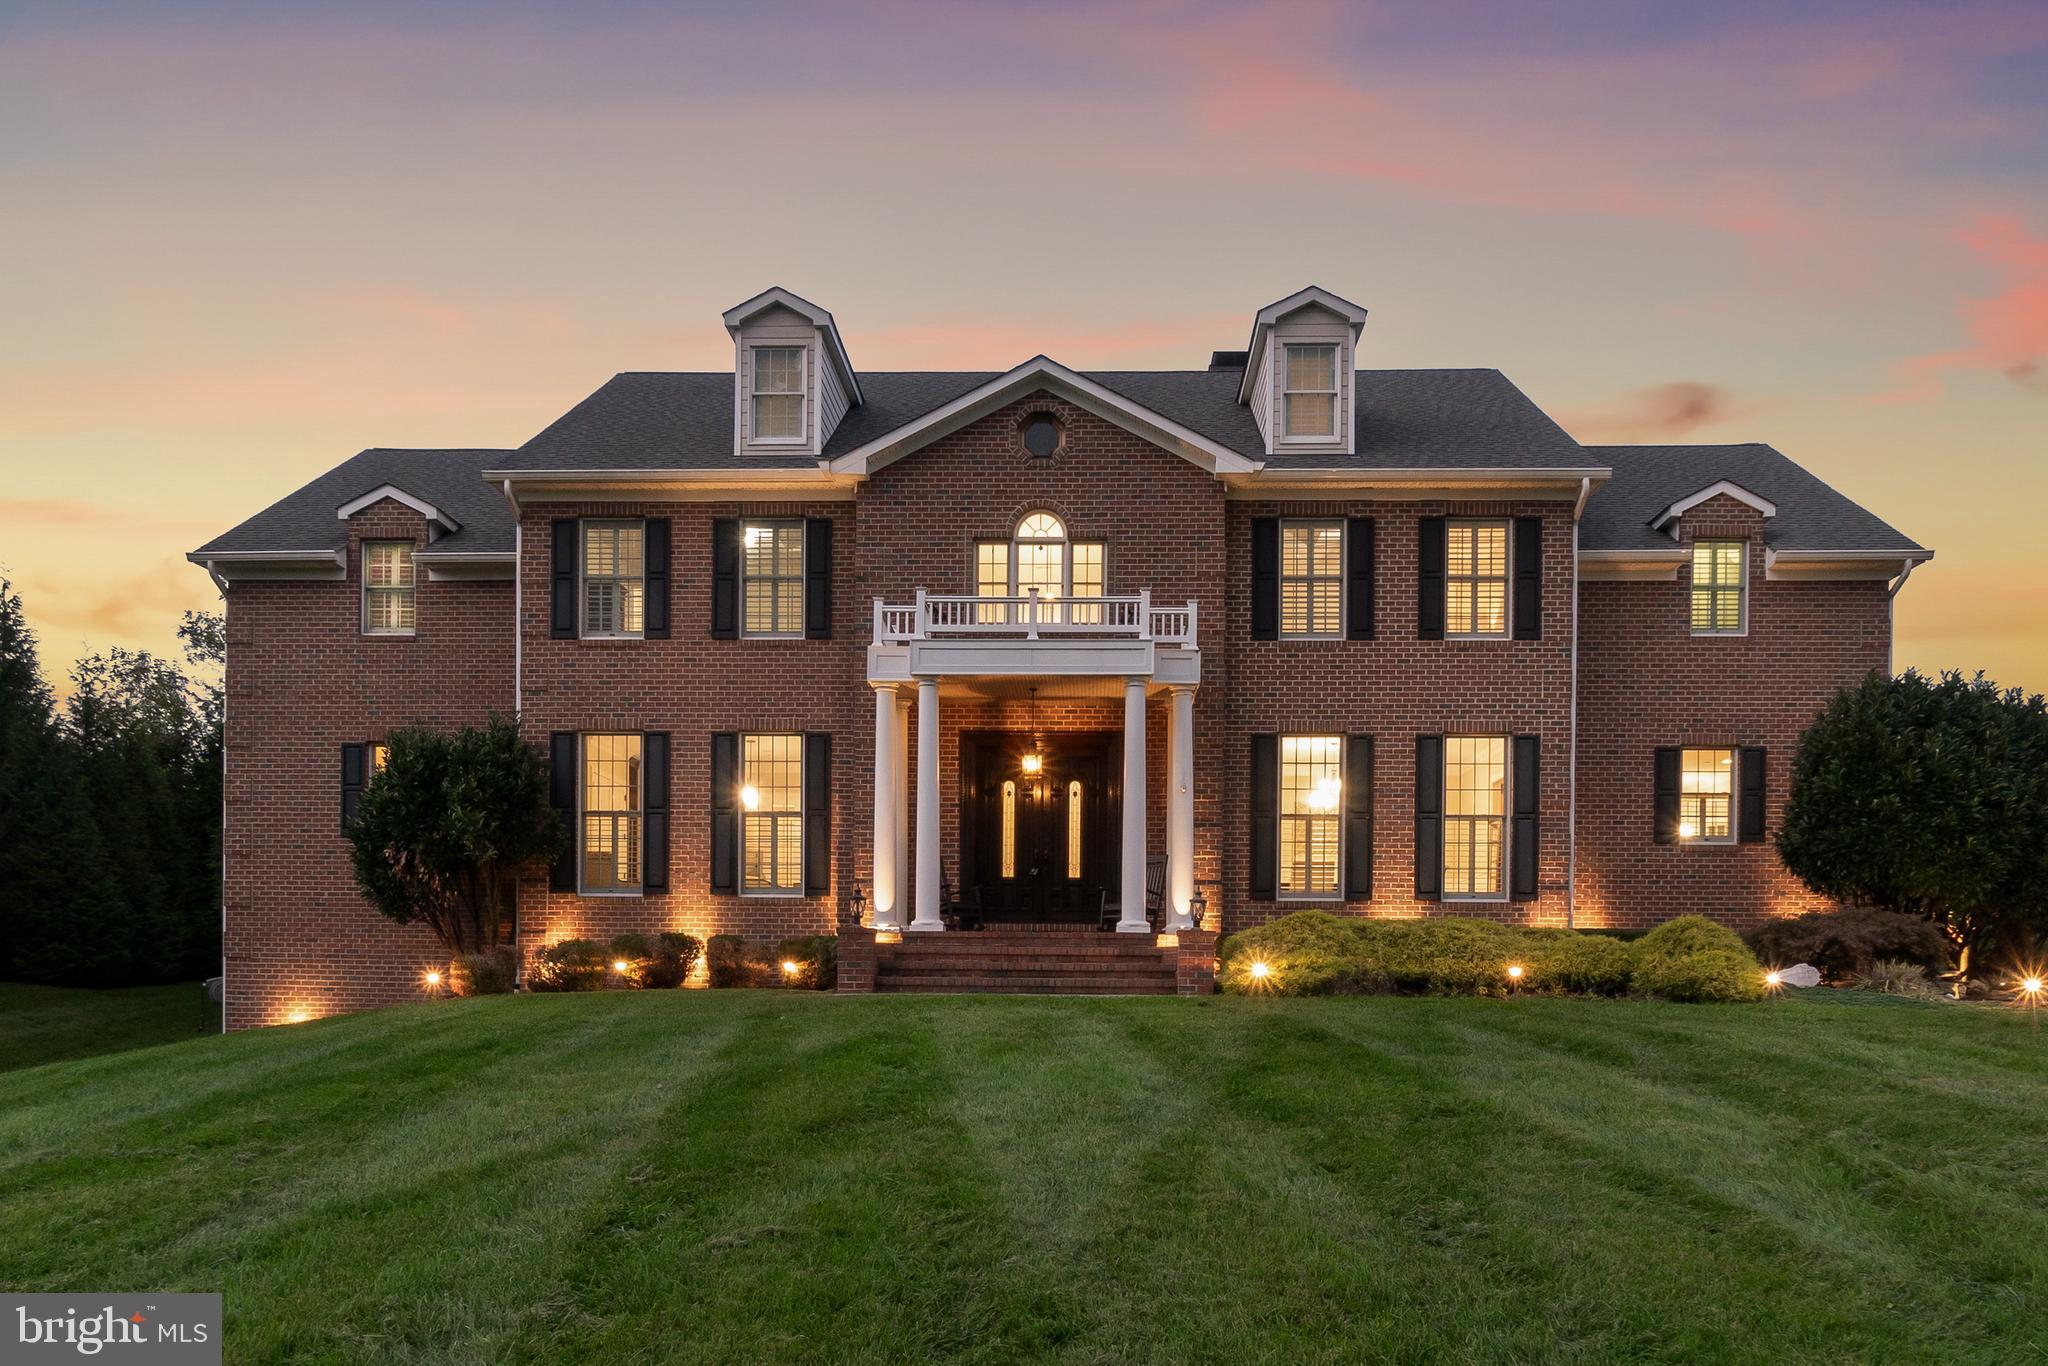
(1045, 648)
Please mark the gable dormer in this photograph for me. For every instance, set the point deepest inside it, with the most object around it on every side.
(792, 381)
(1298, 373)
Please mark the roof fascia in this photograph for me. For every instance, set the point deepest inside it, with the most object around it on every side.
(1713, 490)
(1042, 372)
(1417, 482)
(396, 495)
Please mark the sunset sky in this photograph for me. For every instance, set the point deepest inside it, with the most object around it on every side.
(239, 243)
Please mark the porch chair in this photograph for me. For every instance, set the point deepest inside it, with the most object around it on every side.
(960, 912)
(1155, 897)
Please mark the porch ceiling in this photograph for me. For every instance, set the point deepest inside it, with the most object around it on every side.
(1051, 688)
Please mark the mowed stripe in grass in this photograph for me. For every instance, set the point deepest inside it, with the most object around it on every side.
(741, 1176)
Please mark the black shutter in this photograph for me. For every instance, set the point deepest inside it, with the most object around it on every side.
(1265, 578)
(1430, 553)
(654, 810)
(1359, 622)
(818, 578)
(655, 620)
(725, 812)
(1528, 605)
(817, 814)
(1358, 816)
(562, 794)
(1664, 811)
(1527, 785)
(1751, 829)
(725, 579)
(354, 763)
(562, 581)
(1429, 812)
(1265, 804)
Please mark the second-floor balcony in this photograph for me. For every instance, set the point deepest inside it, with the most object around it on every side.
(1033, 634)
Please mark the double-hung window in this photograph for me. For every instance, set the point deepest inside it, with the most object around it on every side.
(1717, 587)
(1309, 393)
(778, 397)
(1311, 791)
(1476, 579)
(1706, 796)
(1475, 814)
(614, 578)
(612, 805)
(772, 579)
(771, 814)
(1311, 580)
(387, 588)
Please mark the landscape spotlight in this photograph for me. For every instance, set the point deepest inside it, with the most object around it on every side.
(1771, 978)
(790, 967)
(1515, 972)
(433, 978)
(2031, 986)
(1259, 969)
(619, 965)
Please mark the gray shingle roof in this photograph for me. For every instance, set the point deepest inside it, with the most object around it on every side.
(1648, 479)
(450, 480)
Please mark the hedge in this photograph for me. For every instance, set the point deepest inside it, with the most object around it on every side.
(738, 962)
(1312, 953)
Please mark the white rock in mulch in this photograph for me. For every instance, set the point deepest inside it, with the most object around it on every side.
(1800, 975)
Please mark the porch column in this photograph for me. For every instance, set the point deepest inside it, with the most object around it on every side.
(901, 853)
(927, 806)
(1132, 919)
(1180, 807)
(888, 892)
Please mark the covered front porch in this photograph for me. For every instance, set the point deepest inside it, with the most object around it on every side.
(1033, 720)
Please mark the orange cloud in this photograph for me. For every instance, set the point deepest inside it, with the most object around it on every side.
(2008, 331)
(1662, 412)
(72, 512)
(142, 606)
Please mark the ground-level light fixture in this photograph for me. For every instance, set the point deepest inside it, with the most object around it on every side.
(1773, 978)
(433, 978)
(1515, 971)
(790, 967)
(2032, 986)
(1260, 969)
(620, 965)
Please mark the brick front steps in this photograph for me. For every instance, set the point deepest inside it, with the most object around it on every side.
(1033, 960)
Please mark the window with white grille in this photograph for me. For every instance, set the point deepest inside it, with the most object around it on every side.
(779, 393)
(1476, 581)
(614, 578)
(1312, 579)
(1311, 792)
(771, 813)
(772, 579)
(387, 588)
(612, 806)
(1309, 397)
(1717, 587)
(1475, 814)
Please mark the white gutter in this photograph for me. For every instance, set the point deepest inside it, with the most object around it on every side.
(518, 603)
(1891, 615)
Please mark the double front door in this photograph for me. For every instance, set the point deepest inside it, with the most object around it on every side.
(1038, 845)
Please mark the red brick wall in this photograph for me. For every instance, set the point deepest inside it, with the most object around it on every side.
(302, 680)
(1395, 688)
(1645, 680)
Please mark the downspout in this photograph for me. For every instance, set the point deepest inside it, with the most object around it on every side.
(1891, 616)
(1571, 833)
(222, 584)
(518, 603)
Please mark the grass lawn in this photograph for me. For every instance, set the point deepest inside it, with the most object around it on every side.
(47, 1024)
(720, 1176)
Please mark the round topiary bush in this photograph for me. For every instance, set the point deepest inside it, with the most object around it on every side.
(483, 974)
(570, 965)
(1694, 959)
(674, 958)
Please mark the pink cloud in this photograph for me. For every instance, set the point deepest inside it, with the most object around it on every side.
(988, 343)
(2007, 331)
(1663, 412)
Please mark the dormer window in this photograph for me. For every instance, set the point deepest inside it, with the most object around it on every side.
(778, 394)
(1310, 395)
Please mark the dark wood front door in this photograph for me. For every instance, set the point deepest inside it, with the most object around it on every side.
(1037, 844)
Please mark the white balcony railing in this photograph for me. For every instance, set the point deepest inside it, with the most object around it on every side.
(1032, 617)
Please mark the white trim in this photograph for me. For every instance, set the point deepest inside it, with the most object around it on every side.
(1044, 373)
(803, 548)
(1280, 817)
(1343, 525)
(1743, 588)
(583, 631)
(740, 873)
(1413, 483)
(396, 495)
(802, 439)
(225, 566)
(1335, 392)
(639, 813)
(363, 588)
(1714, 490)
(1507, 579)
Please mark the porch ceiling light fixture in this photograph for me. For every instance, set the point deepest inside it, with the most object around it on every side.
(1033, 762)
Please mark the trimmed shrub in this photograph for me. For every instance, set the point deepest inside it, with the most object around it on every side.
(570, 965)
(1694, 959)
(735, 962)
(1313, 953)
(1846, 943)
(674, 958)
(483, 974)
(634, 951)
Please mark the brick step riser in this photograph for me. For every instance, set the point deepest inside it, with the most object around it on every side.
(1031, 975)
(997, 960)
(1018, 989)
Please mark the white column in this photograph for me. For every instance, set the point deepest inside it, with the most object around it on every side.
(927, 806)
(888, 892)
(902, 851)
(1132, 919)
(1180, 807)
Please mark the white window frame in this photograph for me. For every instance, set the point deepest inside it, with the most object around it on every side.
(1335, 392)
(583, 526)
(781, 525)
(411, 590)
(1012, 557)
(1507, 578)
(1732, 796)
(1281, 818)
(1506, 819)
(1343, 550)
(1741, 587)
(803, 394)
(797, 890)
(638, 813)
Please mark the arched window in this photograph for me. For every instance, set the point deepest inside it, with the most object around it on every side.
(1040, 556)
